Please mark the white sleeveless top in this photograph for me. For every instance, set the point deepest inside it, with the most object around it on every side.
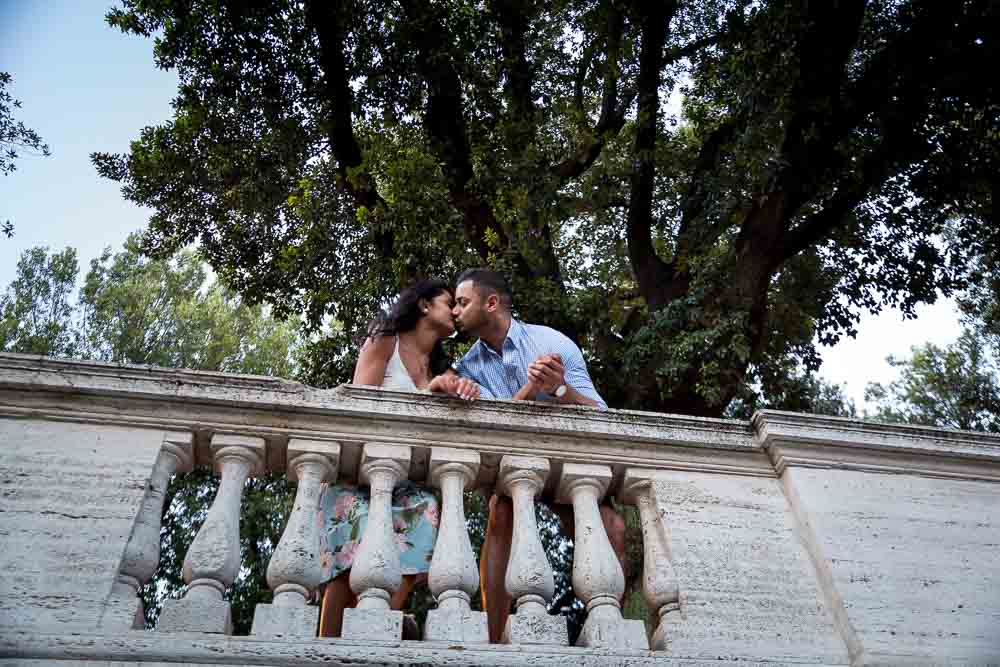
(396, 376)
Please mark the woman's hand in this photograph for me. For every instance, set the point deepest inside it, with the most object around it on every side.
(453, 385)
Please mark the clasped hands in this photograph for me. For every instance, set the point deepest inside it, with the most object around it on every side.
(547, 373)
(455, 385)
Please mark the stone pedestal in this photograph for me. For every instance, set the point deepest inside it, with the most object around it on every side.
(197, 612)
(213, 560)
(378, 624)
(529, 576)
(598, 580)
(271, 620)
(123, 608)
(294, 571)
(659, 583)
(453, 575)
(376, 573)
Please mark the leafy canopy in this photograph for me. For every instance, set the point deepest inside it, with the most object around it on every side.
(828, 158)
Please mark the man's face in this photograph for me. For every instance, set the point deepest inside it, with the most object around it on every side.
(470, 309)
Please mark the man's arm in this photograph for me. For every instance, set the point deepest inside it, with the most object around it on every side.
(460, 370)
(550, 372)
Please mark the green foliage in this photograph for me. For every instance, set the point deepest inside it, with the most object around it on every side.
(953, 387)
(829, 159)
(15, 136)
(160, 312)
(36, 314)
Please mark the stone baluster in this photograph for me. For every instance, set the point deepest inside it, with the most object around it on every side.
(598, 580)
(529, 575)
(213, 560)
(376, 573)
(294, 571)
(659, 583)
(453, 575)
(123, 609)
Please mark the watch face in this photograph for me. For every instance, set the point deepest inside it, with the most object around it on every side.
(560, 391)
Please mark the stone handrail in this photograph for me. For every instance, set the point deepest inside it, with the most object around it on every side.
(774, 478)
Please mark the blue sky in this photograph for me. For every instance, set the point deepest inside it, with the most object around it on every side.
(85, 87)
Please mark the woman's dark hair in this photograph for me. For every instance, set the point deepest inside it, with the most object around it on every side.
(406, 312)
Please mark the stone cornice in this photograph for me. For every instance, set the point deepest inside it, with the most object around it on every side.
(817, 441)
(277, 409)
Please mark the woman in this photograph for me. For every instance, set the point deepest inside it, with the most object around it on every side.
(403, 352)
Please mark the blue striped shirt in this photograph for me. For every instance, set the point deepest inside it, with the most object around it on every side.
(501, 375)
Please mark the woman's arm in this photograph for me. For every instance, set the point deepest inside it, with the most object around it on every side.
(374, 357)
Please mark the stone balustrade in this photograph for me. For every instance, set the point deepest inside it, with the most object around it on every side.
(791, 539)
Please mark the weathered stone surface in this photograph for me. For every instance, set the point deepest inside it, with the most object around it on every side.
(143, 649)
(762, 565)
(294, 571)
(461, 627)
(545, 629)
(381, 624)
(453, 576)
(613, 633)
(69, 497)
(196, 614)
(271, 620)
(912, 561)
(747, 586)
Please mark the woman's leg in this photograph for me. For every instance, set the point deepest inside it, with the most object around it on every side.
(337, 596)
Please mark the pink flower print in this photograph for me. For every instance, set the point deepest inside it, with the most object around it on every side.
(431, 514)
(398, 524)
(402, 542)
(343, 505)
(326, 561)
(345, 557)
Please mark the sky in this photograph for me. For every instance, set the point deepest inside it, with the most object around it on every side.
(86, 87)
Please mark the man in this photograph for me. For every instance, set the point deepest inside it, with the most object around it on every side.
(521, 361)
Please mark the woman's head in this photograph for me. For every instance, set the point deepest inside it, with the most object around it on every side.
(430, 300)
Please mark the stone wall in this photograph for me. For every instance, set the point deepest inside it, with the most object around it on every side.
(795, 539)
(69, 496)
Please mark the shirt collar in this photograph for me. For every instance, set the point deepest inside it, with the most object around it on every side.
(515, 334)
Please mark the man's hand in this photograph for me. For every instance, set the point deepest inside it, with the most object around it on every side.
(547, 372)
(454, 385)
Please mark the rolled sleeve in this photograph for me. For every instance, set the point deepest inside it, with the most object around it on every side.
(577, 377)
(463, 371)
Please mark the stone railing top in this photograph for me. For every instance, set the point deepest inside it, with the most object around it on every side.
(277, 409)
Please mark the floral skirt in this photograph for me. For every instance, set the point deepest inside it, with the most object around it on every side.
(343, 515)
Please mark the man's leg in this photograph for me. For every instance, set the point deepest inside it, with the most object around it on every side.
(493, 565)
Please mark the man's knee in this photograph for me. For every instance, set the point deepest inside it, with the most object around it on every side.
(614, 525)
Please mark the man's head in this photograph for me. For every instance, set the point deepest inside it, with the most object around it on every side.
(482, 299)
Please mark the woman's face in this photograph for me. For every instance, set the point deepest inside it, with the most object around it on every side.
(439, 314)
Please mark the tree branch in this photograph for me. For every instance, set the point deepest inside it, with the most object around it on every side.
(331, 29)
(651, 272)
(514, 19)
(612, 117)
(444, 120)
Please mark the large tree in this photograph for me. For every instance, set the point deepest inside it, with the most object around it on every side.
(828, 158)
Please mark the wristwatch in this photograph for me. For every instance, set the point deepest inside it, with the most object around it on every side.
(560, 391)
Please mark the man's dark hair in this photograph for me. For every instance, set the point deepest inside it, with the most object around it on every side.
(488, 282)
